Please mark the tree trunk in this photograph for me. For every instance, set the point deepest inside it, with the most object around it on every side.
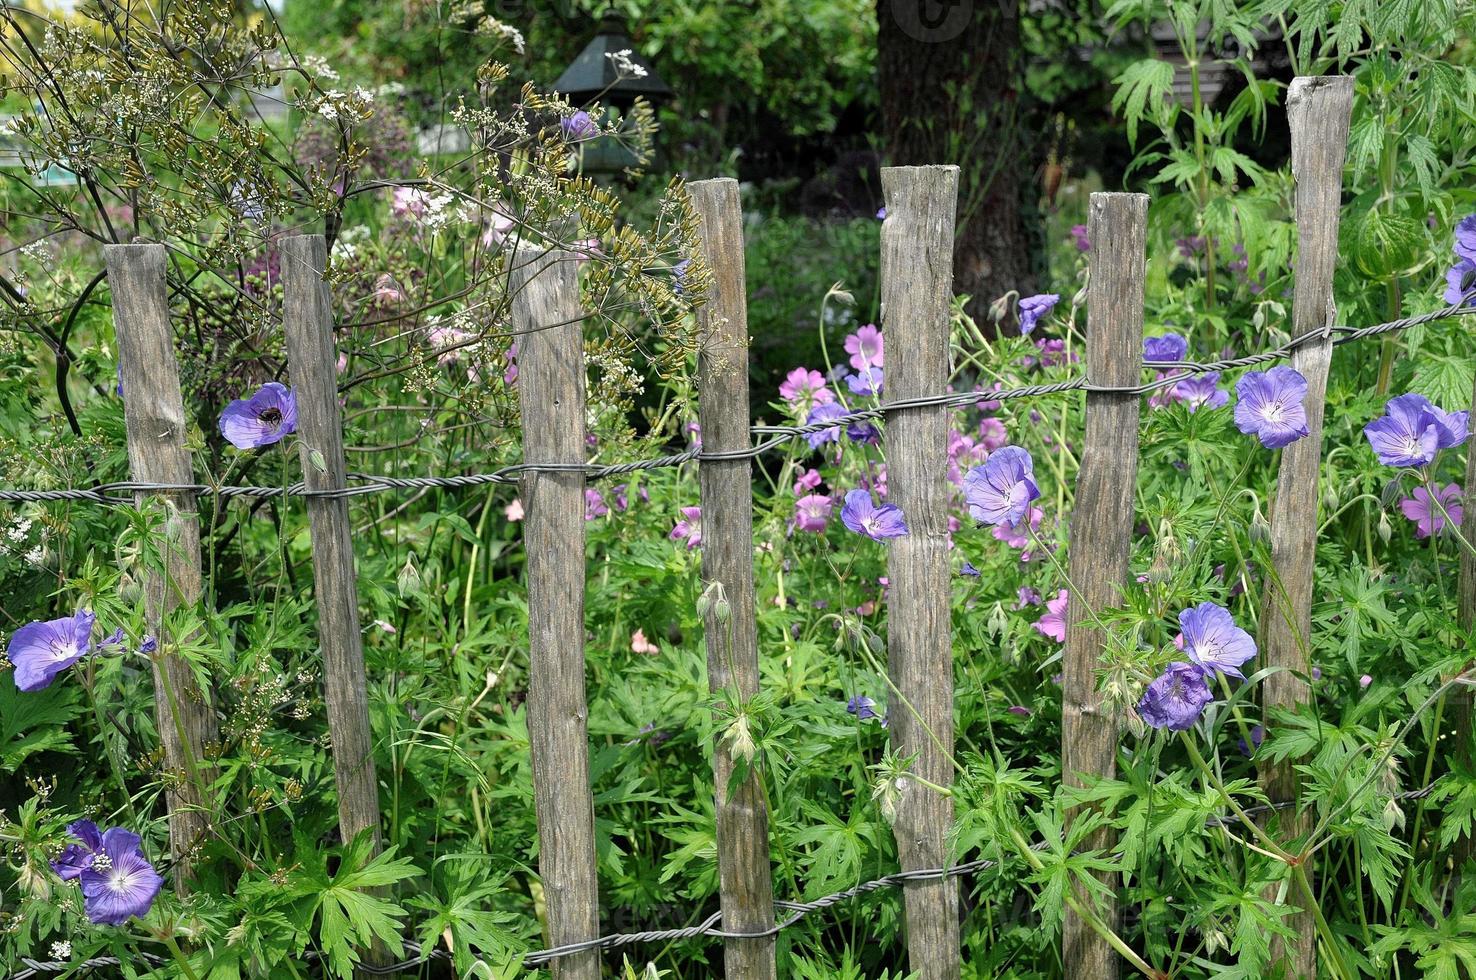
(950, 73)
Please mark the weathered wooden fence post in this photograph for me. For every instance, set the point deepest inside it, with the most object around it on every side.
(1462, 721)
(1318, 111)
(549, 321)
(153, 412)
(744, 876)
(307, 319)
(1102, 522)
(917, 291)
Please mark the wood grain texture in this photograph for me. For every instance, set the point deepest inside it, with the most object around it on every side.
(1102, 523)
(745, 880)
(153, 412)
(547, 314)
(916, 291)
(1462, 721)
(1318, 111)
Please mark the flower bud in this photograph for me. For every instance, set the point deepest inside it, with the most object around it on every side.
(408, 581)
(1260, 529)
(1385, 530)
(999, 309)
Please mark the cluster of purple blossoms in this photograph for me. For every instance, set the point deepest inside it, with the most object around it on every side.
(1411, 432)
(266, 417)
(1460, 279)
(1080, 238)
(1034, 308)
(1269, 405)
(1000, 491)
(862, 515)
(597, 505)
(118, 882)
(1213, 643)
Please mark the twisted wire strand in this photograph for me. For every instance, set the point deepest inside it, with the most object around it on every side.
(708, 928)
(1171, 373)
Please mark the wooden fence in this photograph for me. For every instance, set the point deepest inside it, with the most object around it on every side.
(916, 243)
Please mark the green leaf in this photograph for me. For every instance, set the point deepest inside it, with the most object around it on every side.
(1144, 91)
(38, 721)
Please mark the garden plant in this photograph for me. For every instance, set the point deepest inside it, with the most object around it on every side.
(1235, 832)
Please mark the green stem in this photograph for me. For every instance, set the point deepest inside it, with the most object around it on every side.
(1086, 914)
(1299, 873)
(180, 958)
(1214, 778)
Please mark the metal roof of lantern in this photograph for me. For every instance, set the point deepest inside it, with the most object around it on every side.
(592, 73)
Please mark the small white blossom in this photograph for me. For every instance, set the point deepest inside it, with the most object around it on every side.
(61, 950)
(625, 66)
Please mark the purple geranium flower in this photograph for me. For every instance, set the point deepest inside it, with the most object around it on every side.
(119, 883)
(863, 516)
(805, 389)
(1081, 238)
(1033, 308)
(689, 527)
(264, 418)
(866, 348)
(594, 504)
(812, 512)
(1465, 237)
(77, 858)
(824, 413)
(1213, 641)
(862, 707)
(1269, 406)
(41, 650)
(1202, 390)
(1169, 347)
(1000, 491)
(1460, 281)
(1257, 734)
(967, 568)
(1426, 515)
(1411, 431)
(1176, 698)
(867, 381)
(1053, 623)
(579, 126)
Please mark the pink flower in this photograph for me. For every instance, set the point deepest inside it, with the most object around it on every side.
(450, 341)
(510, 373)
(594, 505)
(1017, 535)
(386, 293)
(992, 434)
(809, 480)
(865, 347)
(1053, 623)
(514, 510)
(805, 389)
(639, 643)
(689, 527)
(586, 249)
(1428, 517)
(409, 201)
(497, 227)
(812, 512)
